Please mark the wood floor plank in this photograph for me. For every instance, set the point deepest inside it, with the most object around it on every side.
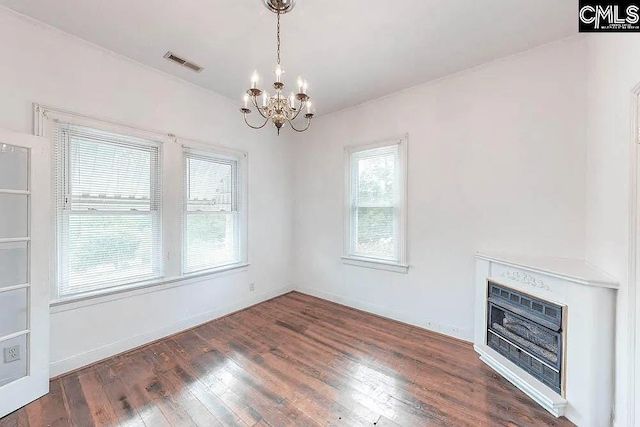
(270, 403)
(133, 394)
(246, 352)
(160, 391)
(209, 377)
(49, 410)
(126, 413)
(16, 419)
(172, 388)
(311, 379)
(295, 360)
(102, 412)
(79, 411)
(206, 397)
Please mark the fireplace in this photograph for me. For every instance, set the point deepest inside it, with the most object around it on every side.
(528, 331)
(547, 326)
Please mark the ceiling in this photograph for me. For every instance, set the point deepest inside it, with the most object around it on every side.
(360, 50)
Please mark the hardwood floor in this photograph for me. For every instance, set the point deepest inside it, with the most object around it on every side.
(291, 361)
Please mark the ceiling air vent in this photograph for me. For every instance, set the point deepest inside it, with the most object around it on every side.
(190, 65)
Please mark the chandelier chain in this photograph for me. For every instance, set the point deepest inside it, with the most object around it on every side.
(278, 36)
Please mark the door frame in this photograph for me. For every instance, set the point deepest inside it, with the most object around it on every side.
(36, 384)
(633, 334)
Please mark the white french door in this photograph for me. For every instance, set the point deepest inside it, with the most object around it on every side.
(25, 225)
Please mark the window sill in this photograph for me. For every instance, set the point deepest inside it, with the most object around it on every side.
(376, 264)
(75, 302)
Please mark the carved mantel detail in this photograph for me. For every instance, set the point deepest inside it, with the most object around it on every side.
(527, 279)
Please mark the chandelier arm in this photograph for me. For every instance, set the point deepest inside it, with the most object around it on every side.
(300, 130)
(302, 104)
(255, 103)
(255, 127)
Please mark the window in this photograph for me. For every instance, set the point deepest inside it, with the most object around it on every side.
(376, 205)
(212, 211)
(108, 210)
(137, 209)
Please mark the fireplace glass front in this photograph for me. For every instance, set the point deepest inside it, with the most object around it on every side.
(528, 332)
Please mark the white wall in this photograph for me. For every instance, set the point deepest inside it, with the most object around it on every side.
(55, 69)
(614, 70)
(496, 162)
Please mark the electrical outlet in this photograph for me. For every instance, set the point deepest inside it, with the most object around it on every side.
(11, 354)
(252, 286)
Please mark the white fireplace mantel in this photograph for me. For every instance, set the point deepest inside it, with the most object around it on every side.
(573, 270)
(589, 295)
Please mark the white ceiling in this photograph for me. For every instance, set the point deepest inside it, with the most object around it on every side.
(362, 50)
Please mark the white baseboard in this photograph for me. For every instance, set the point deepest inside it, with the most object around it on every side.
(78, 361)
(434, 326)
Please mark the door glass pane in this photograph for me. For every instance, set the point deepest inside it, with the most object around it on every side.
(13, 264)
(13, 167)
(13, 315)
(16, 369)
(13, 215)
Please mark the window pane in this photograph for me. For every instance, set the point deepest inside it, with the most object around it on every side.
(106, 250)
(13, 264)
(108, 176)
(13, 167)
(209, 185)
(14, 214)
(375, 232)
(211, 240)
(376, 180)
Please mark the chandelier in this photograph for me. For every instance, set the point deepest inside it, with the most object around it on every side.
(278, 108)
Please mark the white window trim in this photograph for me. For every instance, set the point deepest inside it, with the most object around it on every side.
(172, 178)
(402, 265)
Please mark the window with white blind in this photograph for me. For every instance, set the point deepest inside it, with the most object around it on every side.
(212, 220)
(137, 209)
(376, 186)
(108, 210)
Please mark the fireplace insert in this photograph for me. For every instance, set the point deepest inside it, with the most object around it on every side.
(528, 331)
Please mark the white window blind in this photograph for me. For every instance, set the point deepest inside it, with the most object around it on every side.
(108, 210)
(212, 211)
(376, 183)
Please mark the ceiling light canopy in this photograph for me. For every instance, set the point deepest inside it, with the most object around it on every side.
(278, 108)
(282, 6)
